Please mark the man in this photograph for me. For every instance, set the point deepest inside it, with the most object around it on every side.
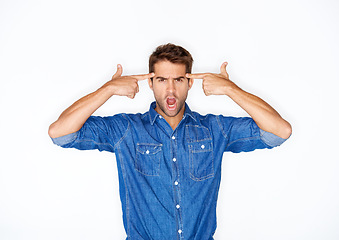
(169, 158)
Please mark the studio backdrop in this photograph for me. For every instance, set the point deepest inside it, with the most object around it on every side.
(54, 52)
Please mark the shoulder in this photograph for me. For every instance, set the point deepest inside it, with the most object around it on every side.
(208, 121)
(135, 117)
(117, 118)
(211, 119)
(222, 123)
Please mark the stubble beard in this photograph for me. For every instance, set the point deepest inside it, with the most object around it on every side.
(163, 108)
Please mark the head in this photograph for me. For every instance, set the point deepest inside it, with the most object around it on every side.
(172, 53)
(170, 63)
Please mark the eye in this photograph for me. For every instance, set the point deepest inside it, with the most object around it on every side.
(179, 79)
(161, 79)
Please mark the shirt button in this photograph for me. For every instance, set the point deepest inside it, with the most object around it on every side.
(202, 146)
(160, 117)
(176, 183)
(147, 152)
(179, 231)
(174, 159)
(177, 206)
(173, 137)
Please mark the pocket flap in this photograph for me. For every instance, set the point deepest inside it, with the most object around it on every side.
(202, 146)
(148, 148)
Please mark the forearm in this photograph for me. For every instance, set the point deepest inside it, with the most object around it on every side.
(74, 117)
(262, 113)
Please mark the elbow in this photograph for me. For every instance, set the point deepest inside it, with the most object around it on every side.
(286, 131)
(52, 131)
(58, 129)
(282, 130)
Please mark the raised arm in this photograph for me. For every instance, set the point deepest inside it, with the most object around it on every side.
(74, 117)
(262, 113)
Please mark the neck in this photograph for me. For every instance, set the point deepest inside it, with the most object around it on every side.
(172, 121)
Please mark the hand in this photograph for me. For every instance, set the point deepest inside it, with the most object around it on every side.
(214, 84)
(126, 85)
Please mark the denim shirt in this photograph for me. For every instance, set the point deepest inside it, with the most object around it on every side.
(169, 179)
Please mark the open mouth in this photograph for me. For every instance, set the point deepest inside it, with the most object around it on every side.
(171, 103)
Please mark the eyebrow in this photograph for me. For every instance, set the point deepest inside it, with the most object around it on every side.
(173, 78)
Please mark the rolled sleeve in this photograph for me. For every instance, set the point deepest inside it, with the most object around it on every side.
(61, 141)
(270, 139)
(244, 135)
(101, 133)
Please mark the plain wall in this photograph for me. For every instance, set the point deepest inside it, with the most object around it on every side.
(54, 52)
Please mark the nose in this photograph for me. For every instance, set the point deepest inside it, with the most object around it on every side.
(170, 86)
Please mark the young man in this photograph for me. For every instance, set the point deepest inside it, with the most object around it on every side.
(169, 158)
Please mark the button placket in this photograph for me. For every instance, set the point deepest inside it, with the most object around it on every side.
(176, 163)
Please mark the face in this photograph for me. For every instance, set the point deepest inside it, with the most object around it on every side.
(170, 88)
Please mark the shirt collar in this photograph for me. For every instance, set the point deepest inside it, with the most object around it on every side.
(154, 114)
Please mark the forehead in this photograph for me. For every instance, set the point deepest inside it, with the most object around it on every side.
(167, 69)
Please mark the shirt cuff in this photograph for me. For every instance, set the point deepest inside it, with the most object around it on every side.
(270, 139)
(60, 141)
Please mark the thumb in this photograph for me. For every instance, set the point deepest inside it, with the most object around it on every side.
(118, 72)
(223, 69)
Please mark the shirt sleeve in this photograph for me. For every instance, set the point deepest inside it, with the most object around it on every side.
(102, 133)
(244, 135)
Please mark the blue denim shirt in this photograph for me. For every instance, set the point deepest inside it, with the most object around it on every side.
(169, 180)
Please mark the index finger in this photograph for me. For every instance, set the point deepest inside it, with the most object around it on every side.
(141, 77)
(196, 75)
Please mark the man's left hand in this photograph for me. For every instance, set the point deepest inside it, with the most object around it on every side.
(214, 84)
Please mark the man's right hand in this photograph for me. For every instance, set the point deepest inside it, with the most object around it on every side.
(126, 85)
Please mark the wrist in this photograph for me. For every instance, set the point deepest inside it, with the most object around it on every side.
(231, 89)
(108, 89)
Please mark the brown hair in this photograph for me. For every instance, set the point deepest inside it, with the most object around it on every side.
(173, 54)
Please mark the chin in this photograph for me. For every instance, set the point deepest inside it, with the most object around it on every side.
(171, 114)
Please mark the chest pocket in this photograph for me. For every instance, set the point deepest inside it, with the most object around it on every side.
(200, 152)
(148, 158)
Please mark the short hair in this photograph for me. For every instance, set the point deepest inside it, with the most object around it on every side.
(173, 54)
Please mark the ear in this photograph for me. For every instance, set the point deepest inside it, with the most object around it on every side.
(190, 83)
(150, 84)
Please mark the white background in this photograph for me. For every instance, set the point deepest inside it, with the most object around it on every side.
(54, 52)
